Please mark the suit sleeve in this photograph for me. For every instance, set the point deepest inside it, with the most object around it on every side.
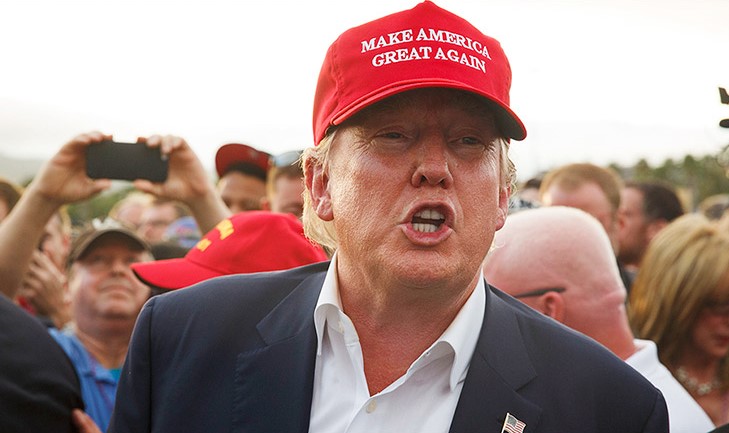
(658, 421)
(132, 409)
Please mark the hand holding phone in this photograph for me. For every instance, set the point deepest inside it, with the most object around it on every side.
(125, 161)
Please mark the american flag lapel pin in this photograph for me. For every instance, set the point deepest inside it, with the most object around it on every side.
(512, 425)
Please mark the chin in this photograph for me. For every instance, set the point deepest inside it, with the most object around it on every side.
(428, 273)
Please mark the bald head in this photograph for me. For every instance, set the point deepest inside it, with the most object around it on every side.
(559, 261)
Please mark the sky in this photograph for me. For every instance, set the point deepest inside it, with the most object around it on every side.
(593, 80)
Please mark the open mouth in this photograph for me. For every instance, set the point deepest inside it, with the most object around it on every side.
(427, 221)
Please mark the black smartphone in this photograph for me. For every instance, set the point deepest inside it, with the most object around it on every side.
(126, 161)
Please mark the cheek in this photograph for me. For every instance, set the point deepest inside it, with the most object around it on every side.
(143, 292)
(357, 186)
(81, 297)
(703, 328)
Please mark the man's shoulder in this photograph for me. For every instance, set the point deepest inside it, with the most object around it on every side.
(538, 355)
(551, 341)
(70, 344)
(252, 293)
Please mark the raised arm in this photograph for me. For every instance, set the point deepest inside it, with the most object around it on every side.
(186, 182)
(61, 180)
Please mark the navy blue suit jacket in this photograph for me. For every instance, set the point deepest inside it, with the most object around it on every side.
(237, 354)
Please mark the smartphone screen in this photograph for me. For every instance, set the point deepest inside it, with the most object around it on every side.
(125, 161)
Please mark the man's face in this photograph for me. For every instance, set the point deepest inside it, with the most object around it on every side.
(102, 284)
(241, 192)
(414, 188)
(633, 227)
(55, 242)
(155, 220)
(591, 199)
(288, 196)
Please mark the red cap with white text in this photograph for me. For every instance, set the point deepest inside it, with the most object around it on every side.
(426, 46)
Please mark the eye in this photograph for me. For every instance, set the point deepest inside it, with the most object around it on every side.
(389, 140)
(390, 135)
(472, 141)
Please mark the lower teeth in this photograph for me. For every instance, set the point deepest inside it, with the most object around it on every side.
(426, 228)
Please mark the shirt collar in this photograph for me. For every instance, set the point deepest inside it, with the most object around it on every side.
(328, 300)
(461, 336)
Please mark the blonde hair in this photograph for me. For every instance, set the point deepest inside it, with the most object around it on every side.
(686, 266)
(322, 232)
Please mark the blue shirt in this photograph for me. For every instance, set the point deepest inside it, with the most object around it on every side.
(98, 384)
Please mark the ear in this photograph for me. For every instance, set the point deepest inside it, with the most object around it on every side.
(504, 194)
(317, 185)
(553, 306)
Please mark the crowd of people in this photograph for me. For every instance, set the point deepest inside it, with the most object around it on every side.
(393, 277)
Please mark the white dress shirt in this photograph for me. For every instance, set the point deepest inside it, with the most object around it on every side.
(423, 400)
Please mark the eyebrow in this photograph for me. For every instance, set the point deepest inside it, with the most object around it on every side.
(539, 292)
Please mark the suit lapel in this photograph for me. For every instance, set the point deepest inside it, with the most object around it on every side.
(499, 368)
(273, 384)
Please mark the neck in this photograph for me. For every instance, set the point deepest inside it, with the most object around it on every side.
(617, 337)
(396, 325)
(702, 368)
(108, 348)
(604, 320)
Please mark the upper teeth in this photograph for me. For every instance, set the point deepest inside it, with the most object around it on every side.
(430, 214)
(427, 220)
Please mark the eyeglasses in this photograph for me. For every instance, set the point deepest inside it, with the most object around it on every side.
(287, 158)
(539, 292)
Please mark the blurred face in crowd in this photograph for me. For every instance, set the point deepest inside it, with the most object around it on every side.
(414, 186)
(131, 214)
(591, 199)
(55, 242)
(241, 192)
(633, 234)
(287, 197)
(102, 284)
(155, 220)
(710, 334)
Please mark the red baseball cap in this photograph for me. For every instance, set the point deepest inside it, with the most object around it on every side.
(236, 153)
(426, 46)
(253, 241)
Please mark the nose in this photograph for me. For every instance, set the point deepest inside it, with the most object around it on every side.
(432, 164)
(120, 266)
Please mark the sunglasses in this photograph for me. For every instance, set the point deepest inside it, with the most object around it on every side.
(287, 158)
(539, 292)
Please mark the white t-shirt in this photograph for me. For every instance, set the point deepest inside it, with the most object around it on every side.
(684, 413)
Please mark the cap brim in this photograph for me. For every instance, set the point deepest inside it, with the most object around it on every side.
(509, 123)
(83, 243)
(172, 274)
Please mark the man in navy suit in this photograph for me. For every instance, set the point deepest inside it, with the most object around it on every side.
(408, 182)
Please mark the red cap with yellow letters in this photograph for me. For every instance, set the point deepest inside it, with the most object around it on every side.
(253, 241)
